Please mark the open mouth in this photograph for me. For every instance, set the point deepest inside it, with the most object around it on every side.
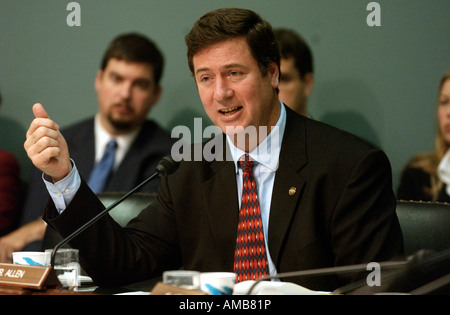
(230, 111)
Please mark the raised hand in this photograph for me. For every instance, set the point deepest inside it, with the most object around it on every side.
(46, 147)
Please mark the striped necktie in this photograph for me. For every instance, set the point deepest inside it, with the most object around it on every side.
(250, 257)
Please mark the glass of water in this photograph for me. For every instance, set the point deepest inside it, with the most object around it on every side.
(186, 279)
(67, 267)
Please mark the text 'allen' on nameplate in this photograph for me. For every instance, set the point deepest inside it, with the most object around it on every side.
(23, 276)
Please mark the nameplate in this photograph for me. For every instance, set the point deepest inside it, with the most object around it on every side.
(30, 277)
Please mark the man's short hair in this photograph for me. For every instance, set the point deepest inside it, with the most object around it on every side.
(293, 45)
(134, 47)
(223, 24)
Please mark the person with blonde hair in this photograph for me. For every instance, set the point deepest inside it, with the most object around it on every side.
(426, 177)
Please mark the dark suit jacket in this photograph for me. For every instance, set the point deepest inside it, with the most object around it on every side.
(9, 192)
(342, 213)
(149, 147)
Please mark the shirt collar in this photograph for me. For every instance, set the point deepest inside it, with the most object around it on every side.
(267, 153)
(102, 137)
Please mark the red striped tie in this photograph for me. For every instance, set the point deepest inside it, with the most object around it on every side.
(250, 257)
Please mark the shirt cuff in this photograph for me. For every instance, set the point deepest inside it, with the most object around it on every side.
(63, 191)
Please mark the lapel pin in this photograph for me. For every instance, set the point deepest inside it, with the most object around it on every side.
(292, 191)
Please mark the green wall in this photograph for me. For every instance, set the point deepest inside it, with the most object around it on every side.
(377, 82)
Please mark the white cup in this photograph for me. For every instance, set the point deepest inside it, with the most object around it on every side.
(217, 283)
(31, 258)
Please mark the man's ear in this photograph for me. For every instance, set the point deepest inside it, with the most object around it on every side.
(98, 79)
(308, 80)
(274, 72)
(157, 95)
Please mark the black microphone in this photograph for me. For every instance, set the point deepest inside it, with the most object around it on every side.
(165, 167)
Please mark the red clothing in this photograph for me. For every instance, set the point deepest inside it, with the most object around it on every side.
(9, 192)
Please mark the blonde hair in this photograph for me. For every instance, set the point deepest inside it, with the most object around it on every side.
(429, 162)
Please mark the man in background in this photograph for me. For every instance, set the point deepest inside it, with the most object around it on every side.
(297, 72)
(120, 135)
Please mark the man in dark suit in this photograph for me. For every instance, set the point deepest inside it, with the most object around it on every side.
(127, 86)
(320, 197)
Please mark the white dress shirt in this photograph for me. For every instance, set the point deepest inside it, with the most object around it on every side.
(102, 137)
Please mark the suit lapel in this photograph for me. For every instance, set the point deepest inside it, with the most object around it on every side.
(220, 195)
(129, 172)
(288, 185)
(223, 208)
(82, 149)
(223, 211)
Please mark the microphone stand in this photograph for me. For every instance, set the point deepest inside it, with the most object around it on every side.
(327, 271)
(96, 218)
